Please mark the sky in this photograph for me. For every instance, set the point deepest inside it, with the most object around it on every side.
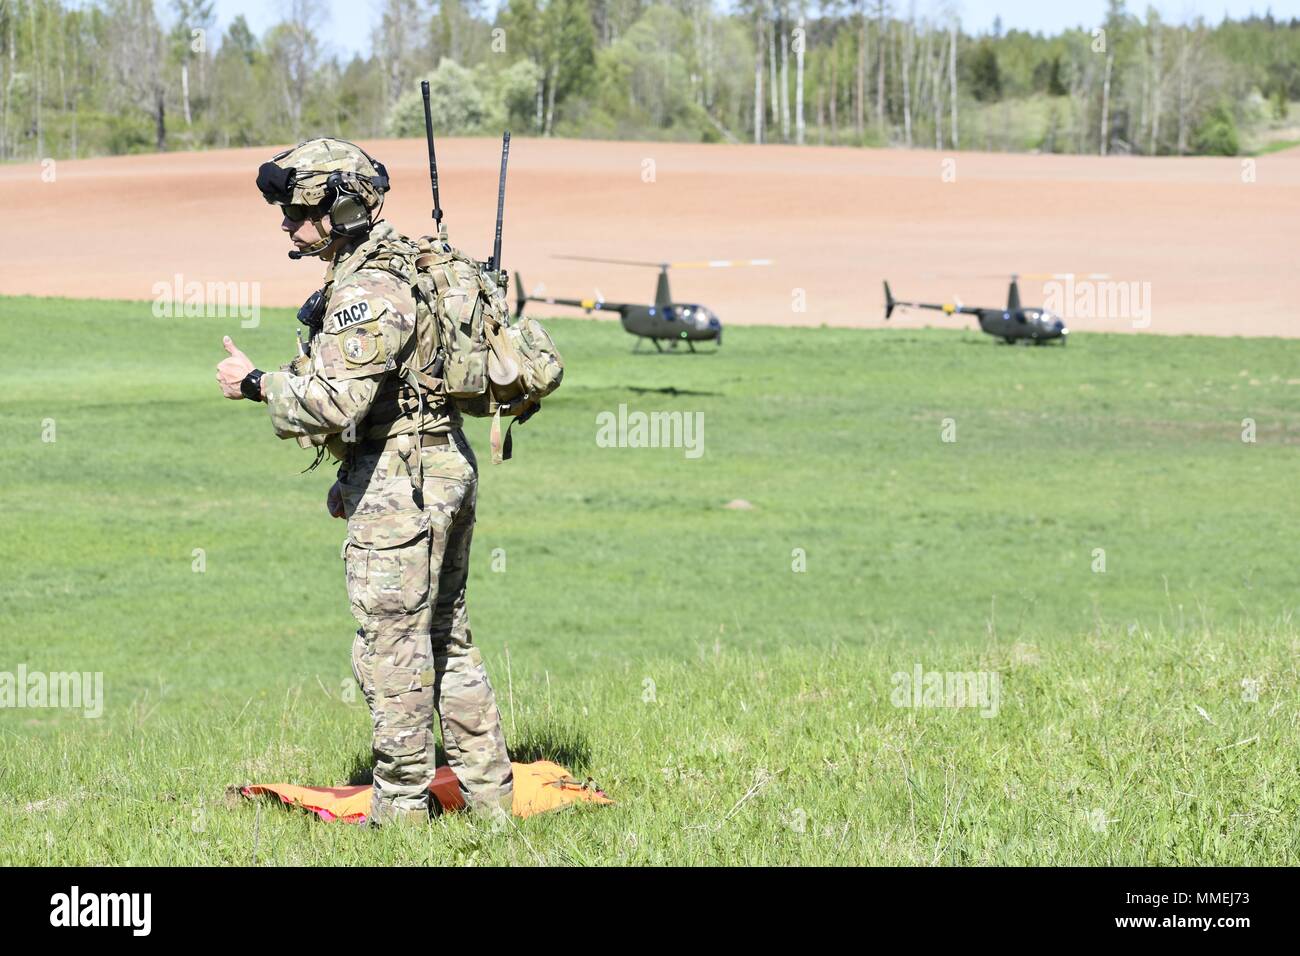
(348, 27)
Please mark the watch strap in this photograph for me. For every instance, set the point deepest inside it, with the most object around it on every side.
(251, 385)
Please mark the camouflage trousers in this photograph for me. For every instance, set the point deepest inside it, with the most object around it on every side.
(407, 560)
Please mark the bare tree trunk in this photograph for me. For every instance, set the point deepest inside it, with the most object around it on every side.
(38, 48)
(771, 64)
(835, 128)
(63, 85)
(1146, 96)
(924, 72)
(76, 71)
(1105, 105)
(859, 117)
(1183, 94)
(952, 80)
(550, 99)
(785, 80)
(938, 98)
(798, 83)
(9, 79)
(1157, 94)
(185, 91)
(880, 70)
(907, 84)
(758, 78)
(541, 90)
(821, 116)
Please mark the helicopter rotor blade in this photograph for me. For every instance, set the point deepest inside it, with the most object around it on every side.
(700, 264)
(1010, 275)
(720, 263)
(616, 262)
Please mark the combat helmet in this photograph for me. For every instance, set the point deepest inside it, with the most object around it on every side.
(326, 176)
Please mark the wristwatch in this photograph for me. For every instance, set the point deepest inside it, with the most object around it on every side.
(251, 385)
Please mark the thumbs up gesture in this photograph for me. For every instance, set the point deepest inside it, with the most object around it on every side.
(231, 370)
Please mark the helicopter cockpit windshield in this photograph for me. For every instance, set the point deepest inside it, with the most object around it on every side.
(695, 315)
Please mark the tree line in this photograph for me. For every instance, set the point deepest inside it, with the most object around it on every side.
(124, 76)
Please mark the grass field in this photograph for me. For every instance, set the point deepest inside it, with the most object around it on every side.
(738, 710)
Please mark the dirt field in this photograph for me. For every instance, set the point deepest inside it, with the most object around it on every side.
(1209, 251)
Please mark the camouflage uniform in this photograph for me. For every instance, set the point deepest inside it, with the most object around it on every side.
(410, 519)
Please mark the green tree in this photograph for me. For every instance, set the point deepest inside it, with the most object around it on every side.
(457, 104)
(570, 52)
(985, 78)
(1217, 134)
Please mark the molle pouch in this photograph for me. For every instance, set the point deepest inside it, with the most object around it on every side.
(459, 312)
(465, 373)
(542, 367)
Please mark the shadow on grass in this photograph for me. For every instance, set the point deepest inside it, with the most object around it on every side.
(670, 390)
(566, 746)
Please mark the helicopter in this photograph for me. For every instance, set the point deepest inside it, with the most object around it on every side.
(666, 320)
(1011, 324)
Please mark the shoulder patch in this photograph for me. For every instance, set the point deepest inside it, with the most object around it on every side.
(361, 343)
(351, 314)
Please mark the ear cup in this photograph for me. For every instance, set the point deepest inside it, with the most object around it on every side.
(349, 214)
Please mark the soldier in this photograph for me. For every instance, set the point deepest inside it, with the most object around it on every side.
(407, 481)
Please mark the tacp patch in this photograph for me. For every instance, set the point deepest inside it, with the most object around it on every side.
(351, 314)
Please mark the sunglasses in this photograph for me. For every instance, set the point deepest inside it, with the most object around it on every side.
(298, 213)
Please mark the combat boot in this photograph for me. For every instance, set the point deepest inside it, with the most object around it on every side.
(386, 816)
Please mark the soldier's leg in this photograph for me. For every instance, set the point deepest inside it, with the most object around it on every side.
(471, 722)
(389, 588)
(363, 668)
(471, 728)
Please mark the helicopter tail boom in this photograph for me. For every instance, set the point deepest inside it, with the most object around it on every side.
(948, 308)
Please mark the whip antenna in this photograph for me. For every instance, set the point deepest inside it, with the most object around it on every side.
(433, 159)
(495, 262)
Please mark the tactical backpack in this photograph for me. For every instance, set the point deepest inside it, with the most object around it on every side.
(466, 343)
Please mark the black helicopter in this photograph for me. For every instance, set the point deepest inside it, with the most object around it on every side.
(1012, 324)
(672, 321)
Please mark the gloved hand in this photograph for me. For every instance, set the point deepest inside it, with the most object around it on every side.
(334, 501)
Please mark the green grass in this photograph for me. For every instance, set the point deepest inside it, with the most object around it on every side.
(1275, 147)
(1123, 735)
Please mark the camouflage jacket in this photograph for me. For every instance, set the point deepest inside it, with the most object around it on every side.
(351, 385)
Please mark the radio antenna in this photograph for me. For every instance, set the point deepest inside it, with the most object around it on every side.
(494, 264)
(433, 159)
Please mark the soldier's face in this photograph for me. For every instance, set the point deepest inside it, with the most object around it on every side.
(302, 232)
